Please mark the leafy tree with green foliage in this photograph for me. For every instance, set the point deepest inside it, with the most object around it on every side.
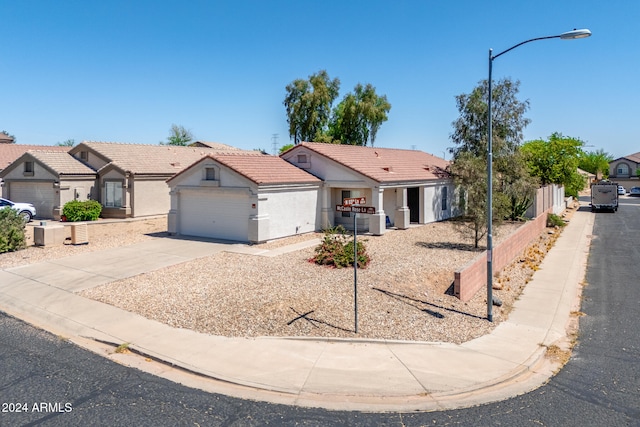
(595, 162)
(286, 147)
(178, 135)
(513, 186)
(67, 143)
(308, 105)
(470, 174)
(556, 161)
(12, 230)
(357, 118)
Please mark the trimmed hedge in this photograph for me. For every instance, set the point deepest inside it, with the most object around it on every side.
(12, 233)
(88, 210)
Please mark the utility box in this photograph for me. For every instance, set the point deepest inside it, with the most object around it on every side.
(79, 234)
(48, 235)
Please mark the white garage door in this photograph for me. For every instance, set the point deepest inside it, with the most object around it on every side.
(39, 194)
(217, 215)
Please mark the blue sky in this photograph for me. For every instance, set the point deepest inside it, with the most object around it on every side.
(125, 71)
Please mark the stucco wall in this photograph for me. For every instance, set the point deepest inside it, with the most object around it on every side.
(290, 212)
(39, 173)
(432, 203)
(150, 197)
(86, 189)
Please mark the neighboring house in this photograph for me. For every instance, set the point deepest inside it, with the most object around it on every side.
(215, 145)
(243, 196)
(624, 167)
(131, 180)
(10, 152)
(6, 139)
(404, 186)
(48, 179)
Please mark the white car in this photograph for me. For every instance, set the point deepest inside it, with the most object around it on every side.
(621, 190)
(635, 191)
(26, 210)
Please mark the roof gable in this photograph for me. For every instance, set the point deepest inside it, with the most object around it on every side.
(261, 169)
(633, 157)
(10, 152)
(61, 163)
(383, 165)
(56, 162)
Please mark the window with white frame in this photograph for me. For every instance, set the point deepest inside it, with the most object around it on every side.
(113, 194)
(623, 169)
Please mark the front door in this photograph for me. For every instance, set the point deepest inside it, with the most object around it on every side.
(413, 202)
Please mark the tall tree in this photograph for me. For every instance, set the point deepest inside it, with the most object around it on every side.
(67, 143)
(178, 135)
(308, 105)
(357, 118)
(471, 128)
(555, 161)
(512, 183)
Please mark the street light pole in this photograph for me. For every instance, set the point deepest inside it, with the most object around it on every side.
(569, 35)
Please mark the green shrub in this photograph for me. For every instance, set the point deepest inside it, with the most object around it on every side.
(88, 210)
(554, 220)
(336, 249)
(12, 234)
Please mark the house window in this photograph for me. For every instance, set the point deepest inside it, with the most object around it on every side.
(84, 155)
(209, 174)
(623, 169)
(444, 198)
(302, 158)
(113, 194)
(28, 168)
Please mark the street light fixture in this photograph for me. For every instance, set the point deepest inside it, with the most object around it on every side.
(569, 35)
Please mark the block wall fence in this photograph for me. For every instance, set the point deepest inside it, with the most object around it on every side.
(473, 276)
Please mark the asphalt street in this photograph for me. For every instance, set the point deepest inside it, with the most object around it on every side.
(47, 380)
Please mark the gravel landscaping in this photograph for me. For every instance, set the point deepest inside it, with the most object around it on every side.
(404, 294)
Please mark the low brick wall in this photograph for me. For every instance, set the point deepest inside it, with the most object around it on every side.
(473, 276)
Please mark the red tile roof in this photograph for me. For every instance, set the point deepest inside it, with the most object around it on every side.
(265, 169)
(10, 152)
(260, 168)
(384, 165)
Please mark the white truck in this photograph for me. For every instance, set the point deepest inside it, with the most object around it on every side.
(604, 195)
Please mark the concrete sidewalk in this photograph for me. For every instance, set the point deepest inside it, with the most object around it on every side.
(370, 375)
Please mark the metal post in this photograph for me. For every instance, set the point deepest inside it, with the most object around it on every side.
(569, 35)
(355, 270)
(489, 200)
